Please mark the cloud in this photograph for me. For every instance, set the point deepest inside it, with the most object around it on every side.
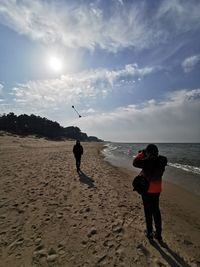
(189, 63)
(76, 26)
(77, 87)
(174, 119)
(89, 25)
(1, 89)
(181, 15)
(1, 93)
(121, 2)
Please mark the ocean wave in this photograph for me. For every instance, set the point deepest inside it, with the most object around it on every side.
(126, 152)
(108, 149)
(185, 167)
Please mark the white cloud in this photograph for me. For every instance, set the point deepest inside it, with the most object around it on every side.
(175, 119)
(76, 87)
(189, 63)
(1, 93)
(1, 89)
(80, 26)
(121, 2)
(181, 14)
(88, 25)
(88, 111)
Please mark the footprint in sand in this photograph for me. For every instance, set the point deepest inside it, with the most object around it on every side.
(84, 242)
(41, 254)
(117, 228)
(15, 244)
(143, 251)
(52, 255)
(38, 241)
(34, 227)
(87, 209)
(3, 216)
(102, 260)
(119, 251)
(59, 215)
(92, 232)
(61, 250)
(109, 243)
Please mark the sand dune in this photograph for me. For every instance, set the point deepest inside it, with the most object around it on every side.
(52, 216)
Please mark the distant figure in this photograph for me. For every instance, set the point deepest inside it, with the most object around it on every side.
(78, 152)
(153, 167)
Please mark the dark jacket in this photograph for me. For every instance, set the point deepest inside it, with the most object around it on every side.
(153, 168)
(78, 150)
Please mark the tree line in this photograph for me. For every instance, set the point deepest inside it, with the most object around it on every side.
(42, 127)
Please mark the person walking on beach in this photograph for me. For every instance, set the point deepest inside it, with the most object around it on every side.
(153, 167)
(78, 152)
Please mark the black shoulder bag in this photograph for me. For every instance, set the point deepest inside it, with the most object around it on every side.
(140, 184)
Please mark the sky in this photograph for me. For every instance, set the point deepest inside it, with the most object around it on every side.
(131, 68)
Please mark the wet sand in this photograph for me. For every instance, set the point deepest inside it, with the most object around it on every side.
(52, 216)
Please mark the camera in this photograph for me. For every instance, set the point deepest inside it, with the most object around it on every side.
(142, 151)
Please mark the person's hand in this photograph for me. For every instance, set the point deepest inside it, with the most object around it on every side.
(140, 155)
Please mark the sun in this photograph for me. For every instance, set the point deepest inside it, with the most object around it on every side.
(55, 64)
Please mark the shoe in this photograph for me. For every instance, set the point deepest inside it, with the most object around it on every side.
(149, 235)
(158, 237)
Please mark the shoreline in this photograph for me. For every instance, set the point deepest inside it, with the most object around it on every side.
(187, 181)
(53, 216)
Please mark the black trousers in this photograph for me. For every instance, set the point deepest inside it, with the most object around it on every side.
(152, 212)
(78, 162)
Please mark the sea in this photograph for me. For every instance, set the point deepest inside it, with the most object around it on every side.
(183, 168)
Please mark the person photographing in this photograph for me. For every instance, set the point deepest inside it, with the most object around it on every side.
(153, 167)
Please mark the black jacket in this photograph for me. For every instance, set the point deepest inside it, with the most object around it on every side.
(152, 167)
(78, 150)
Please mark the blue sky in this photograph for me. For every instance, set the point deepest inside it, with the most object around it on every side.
(131, 68)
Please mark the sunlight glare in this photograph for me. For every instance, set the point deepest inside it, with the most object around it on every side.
(55, 63)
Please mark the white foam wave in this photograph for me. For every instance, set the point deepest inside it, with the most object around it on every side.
(108, 148)
(185, 167)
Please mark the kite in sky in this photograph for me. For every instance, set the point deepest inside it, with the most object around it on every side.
(76, 112)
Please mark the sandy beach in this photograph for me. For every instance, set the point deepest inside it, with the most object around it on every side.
(52, 216)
